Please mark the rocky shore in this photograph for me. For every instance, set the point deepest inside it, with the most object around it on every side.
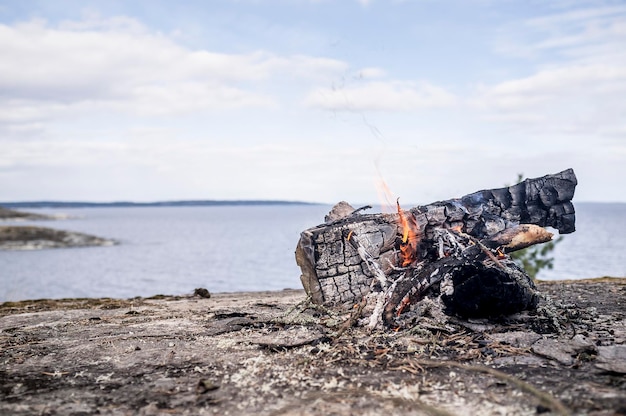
(274, 353)
(37, 238)
(12, 215)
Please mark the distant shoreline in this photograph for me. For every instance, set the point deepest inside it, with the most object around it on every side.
(194, 203)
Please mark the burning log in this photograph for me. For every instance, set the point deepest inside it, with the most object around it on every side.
(454, 250)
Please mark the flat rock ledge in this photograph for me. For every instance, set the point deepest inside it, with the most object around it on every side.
(274, 353)
(37, 238)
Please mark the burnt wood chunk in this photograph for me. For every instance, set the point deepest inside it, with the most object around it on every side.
(460, 243)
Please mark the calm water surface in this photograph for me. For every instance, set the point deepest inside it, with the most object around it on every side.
(172, 250)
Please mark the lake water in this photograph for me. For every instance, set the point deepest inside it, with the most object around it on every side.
(172, 250)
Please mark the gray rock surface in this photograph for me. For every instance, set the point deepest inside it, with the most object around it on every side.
(612, 358)
(273, 353)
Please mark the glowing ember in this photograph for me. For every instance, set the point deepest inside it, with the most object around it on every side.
(457, 228)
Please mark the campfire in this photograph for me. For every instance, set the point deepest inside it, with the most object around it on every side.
(454, 252)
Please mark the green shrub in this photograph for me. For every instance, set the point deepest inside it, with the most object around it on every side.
(536, 258)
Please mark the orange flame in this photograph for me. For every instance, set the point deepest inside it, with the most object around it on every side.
(410, 236)
(406, 223)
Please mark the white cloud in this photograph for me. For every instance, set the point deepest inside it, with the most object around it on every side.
(371, 72)
(186, 97)
(136, 111)
(381, 96)
(577, 88)
(153, 167)
(120, 65)
(16, 111)
(574, 101)
(576, 16)
(590, 35)
(558, 84)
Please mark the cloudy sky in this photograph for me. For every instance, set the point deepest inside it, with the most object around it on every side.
(314, 100)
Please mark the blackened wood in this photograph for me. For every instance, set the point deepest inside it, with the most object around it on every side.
(334, 273)
(544, 201)
(484, 291)
(470, 284)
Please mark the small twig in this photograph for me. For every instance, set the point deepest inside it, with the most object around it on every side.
(353, 319)
(484, 249)
(363, 208)
(308, 302)
(376, 316)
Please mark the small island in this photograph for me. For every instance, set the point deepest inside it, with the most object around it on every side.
(12, 215)
(37, 238)
(13, 237)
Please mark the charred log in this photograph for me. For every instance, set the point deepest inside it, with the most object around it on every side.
(470, 286)
(459, 245)
(484, 291)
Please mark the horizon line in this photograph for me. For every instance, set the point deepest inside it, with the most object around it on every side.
(182, 202)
